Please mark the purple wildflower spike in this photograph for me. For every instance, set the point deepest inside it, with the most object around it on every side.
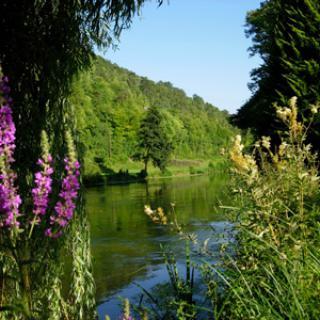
(9, 200)
(43, 188)
(64, 209)
(9, 197)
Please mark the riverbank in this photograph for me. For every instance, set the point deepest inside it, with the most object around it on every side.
(132, 172)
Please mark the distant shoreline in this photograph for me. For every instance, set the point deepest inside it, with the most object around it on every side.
(102, 181)
(127, 173)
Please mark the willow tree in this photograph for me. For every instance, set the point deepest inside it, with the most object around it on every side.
(44, 45)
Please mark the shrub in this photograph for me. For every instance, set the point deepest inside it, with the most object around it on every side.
(276, 273)
(192, 170)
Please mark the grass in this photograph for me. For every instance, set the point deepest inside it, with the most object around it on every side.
(174, 168)
(130, 171)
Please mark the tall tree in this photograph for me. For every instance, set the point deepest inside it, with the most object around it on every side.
(286, 35)
(44, 44)
(153, 143)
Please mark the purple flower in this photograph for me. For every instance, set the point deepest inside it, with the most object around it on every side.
(43, 187)
(9, 201)
(9, 197)
(64, 208)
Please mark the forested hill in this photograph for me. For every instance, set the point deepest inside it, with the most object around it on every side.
(110, 102)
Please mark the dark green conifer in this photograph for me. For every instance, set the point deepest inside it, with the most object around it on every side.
(153, 143)
(286, 34)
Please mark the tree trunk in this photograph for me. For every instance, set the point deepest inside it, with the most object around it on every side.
(146, 167)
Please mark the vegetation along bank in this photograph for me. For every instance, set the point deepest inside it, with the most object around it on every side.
(110, 103)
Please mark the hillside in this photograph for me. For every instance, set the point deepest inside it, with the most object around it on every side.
(110, 102)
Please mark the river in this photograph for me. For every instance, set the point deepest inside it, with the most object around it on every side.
(126, 244)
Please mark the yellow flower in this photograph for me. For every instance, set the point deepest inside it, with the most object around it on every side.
(244, 163)
(284, 113)
(147, 210)
(266, 142)
(282, 149)
(314, 109)
(257, 144)
(157, 216)
(293, 102)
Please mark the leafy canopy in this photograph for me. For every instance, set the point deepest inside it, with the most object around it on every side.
(109, 105)
(44, 44)
(153, 143)
(285, 34)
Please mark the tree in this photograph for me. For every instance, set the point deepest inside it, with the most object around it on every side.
(44, 45)
(286, 36)
(153, 143)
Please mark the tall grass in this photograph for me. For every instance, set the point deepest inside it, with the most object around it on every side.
(275, 273)
(274, 270)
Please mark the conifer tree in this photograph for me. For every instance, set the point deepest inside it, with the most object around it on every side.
(153, 143)
(286, 35)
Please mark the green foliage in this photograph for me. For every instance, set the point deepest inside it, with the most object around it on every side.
(273, 271)
(276, 273)
(221, 166)
(42, 50)
(166, 173)
(286, 35)
(109, 104)
(173, 300)
(82, 304)
(44, 44)
(179, 304)
(153, 143)
(192, 170)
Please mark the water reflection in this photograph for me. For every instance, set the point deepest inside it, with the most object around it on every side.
(125, 243)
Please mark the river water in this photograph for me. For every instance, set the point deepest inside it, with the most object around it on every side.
(126, 244)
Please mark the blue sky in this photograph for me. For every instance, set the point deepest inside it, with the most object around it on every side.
(198, 45)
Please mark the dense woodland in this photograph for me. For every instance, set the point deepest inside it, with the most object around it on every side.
(110, 103)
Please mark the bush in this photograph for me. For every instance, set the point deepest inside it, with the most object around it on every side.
(192, 170)
(277, 271)
(166, 173)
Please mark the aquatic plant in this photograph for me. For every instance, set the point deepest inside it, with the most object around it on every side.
(179, 300)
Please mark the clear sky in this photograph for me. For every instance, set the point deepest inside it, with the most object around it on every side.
(197, 45)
